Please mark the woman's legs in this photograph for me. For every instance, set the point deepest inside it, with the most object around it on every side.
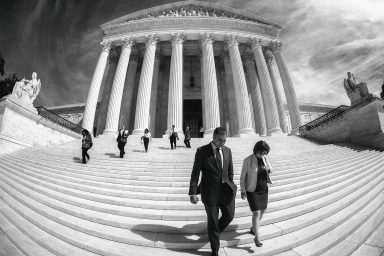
(146, 142)
(256, 218)
(84, 154)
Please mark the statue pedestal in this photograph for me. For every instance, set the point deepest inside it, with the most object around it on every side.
(22, 127)
(361, 124)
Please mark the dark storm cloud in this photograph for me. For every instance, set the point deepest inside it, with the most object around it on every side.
(322, 41)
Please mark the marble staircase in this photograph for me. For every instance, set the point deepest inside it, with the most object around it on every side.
(326, 199)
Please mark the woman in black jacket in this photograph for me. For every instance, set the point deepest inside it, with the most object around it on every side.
(86, 144)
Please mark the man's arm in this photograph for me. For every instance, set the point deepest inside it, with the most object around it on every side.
(230, 167)
(195, 173)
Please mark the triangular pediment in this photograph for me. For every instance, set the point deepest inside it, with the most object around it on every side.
(190, 8)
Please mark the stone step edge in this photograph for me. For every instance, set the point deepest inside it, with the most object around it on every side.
(111, 175)
(27, 246)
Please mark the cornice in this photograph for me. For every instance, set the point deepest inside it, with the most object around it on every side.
(190, 7)
(186, 24)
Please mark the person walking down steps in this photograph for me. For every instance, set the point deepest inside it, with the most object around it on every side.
(173, 136)
(86, 144)
(146, 138)
(122, 140)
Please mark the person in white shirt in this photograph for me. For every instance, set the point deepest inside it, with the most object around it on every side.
(146, 138)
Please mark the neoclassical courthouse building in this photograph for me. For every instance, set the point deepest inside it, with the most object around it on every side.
(195, 64)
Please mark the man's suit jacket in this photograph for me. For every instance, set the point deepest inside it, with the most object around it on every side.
(212, 177)
(120, 136)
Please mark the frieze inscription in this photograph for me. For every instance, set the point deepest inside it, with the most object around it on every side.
(187, 23)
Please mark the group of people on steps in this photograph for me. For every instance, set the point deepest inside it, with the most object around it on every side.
(216, 188)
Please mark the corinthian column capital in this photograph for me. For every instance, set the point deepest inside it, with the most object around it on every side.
(151, 40)
(106, 45)
(276, 46)
(206, 38)
(231, 39)
(128, 42)
(256, 42)
(178, 38)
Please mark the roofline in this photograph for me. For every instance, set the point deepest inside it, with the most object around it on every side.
(186, 2)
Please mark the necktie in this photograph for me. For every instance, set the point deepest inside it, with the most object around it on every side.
(218, 159)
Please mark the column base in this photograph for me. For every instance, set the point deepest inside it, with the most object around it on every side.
(246, 131)
(138, 132)
(209, 133)
(110, 132)
(294, 131)
(276, 130)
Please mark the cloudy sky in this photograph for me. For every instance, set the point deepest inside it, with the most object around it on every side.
(322, 41)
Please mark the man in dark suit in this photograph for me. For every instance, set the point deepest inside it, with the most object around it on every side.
(122, 140)
(217, 188)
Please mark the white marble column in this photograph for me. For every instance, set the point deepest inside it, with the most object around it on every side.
(210, 85)
(257, 100)
(112, 126)
(125, 110)
(154, 94)
(290, 93)
(244, 115)
(93, 94)
(279, 102)
(231, 94)
(203, 100)
(113, 59)
(175, 94)
(270, 108)
(145, 86)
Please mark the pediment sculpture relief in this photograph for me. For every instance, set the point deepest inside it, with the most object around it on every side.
(190, 11)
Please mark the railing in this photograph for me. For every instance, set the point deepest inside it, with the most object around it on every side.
(323, 119)
(58, 119)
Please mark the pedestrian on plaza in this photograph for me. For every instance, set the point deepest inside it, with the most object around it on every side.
(201, 132)
(146, 138)
(187, 137)
(173, 136)
(254, 181)
(122, 140)
(86, 144)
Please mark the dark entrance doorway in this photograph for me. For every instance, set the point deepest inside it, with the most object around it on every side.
(192, 112)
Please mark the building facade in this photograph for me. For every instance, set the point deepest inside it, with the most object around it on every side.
(193, 64)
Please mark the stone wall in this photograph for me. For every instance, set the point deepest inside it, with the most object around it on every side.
(21, 128)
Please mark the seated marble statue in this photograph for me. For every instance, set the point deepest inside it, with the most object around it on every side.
(27, 90)
(355, 91)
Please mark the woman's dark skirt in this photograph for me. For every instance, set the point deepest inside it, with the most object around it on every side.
(257, 201)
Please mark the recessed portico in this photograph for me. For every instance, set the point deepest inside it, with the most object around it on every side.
(191, 55)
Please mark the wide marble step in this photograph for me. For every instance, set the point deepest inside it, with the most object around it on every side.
(172, 169)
